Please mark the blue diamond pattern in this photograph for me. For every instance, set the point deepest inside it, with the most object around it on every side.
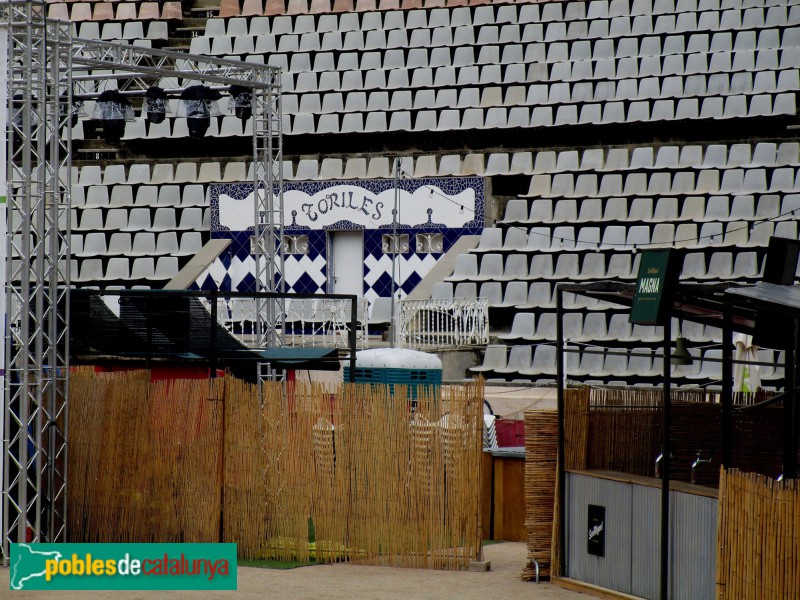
(307, 282)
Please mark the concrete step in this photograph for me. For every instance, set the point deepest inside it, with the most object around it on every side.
(177, 45)
(192, 24)
(186, 33)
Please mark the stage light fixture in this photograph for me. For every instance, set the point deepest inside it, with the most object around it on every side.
(113, 109)
(155, 104)
(198, 105)
(242, 101)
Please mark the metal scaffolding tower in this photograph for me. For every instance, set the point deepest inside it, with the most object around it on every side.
(37, 278)
(46, 69)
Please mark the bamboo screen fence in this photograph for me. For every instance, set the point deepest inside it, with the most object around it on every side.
(616, 429)
(144, 459)
(758, 537)
(380, 484)
(541, 450)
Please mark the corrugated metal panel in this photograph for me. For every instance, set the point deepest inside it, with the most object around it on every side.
(693, 524)
(633, 540)
(613, 570)
(645, 541)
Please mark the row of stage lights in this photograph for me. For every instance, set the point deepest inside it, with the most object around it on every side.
(197, 103)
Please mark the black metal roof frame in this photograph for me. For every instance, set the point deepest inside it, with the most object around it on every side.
(699, 302)
(140, 339)
(729, 306)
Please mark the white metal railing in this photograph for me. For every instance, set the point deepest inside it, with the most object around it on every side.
(441, 323)
(309, 322)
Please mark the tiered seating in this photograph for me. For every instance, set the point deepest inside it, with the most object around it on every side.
(588, 213)
(450, 66)
(358, 167)
(232, 8)
(508, 66)
(527, 65)
(139, 227)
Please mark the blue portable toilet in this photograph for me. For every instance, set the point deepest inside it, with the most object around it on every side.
(397, 366)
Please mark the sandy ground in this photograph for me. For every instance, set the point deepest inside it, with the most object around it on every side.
(343, 581)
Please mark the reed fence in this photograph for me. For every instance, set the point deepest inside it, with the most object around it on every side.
(307, 472)
(541, 449)
(143, 459)
(758, 534)
(617, 429)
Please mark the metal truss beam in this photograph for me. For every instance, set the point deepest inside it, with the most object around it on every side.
(139, 68)
(46, 68)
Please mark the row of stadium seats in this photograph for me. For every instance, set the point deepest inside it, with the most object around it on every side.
(398, 103)
(597, 327)
(374, 21)
(454, 86)
(378, 167)
(629, 62)
(115, 11)
(379, 114)
(159, 173)
(524, 295)
(547, 210)
(142, 243)
(130, 30)
(594, 39)
(661, 211)
(122, 270)
(231, 8)
(527, 361)
(759, 180)
(373, 10)
(740, 106)
(123, 195)
(713, 156)
(227, 126)
(141, 219)
(722, 265)
(499, 117)
(555, 61)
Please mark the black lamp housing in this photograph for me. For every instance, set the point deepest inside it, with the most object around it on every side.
(242, 100)
(113, 109)
(155, 104)
(199, 104)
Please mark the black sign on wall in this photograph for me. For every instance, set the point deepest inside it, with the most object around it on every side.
(596, 539)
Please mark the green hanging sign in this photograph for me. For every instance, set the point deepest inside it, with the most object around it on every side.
(655, 286)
